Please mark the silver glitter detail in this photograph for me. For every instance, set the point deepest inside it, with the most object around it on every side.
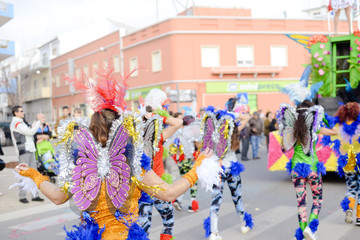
(159, 121)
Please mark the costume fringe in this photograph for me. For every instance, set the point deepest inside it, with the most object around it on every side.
(321, 169)
(87, 230)
(248, 220)
(236, 168)
(303, 169)
(136, 233)
(145, 162)
(345, 204)
(299, 234)
(313, 225)
(207, 227)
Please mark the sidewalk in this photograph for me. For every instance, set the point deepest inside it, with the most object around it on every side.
(10, 198)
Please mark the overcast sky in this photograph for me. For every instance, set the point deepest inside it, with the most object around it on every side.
(37, 21)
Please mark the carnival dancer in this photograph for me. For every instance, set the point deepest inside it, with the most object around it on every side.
(348, 152)
(183, 145)
(298, 128)
(103, 168)
(221, 132)
(156, 99)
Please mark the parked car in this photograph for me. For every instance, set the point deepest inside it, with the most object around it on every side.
(5, 127)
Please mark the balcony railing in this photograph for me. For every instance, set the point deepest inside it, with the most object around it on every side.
(6, 12)
(238, 71)
(7, 49)
(43, 92)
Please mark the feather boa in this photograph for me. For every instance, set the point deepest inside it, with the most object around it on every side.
(87, 230)
(350, 129)
(288, 167)
(321, 169)
(303, 169)
(248, 220)
(236, 168)
(26, 183)
(145, 162)
(345, 204)
(326, 141)
(299, 234)
(136, 233)
(358, 160)
(146, 198)
(342, 161)
(207, 227)
(209, 173)
(313, 225)
(210, 109)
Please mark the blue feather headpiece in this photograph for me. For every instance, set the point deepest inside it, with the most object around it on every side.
(298, 92)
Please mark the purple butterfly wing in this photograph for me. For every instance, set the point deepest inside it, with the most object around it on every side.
(209, 128)
(86, 183)
(222, 144)
(118, 181)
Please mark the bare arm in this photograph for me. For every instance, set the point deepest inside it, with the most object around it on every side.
(244, 119)
(169, 192)
(328, 132)
(174, 125)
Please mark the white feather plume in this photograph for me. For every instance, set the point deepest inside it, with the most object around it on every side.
(28, 184)
(155, 98)
(209, 173)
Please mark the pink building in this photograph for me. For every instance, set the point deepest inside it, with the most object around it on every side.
(83, 60)
(210, 54)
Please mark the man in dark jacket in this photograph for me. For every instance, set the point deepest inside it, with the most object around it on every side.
(256, 129)
(245, 140)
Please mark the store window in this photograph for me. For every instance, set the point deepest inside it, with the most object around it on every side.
(156, 61)
(210, 56)
(244, 56)
(116, 61)
(133, 64)
(278, 56)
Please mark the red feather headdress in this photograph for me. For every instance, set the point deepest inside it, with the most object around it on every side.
(106, 91)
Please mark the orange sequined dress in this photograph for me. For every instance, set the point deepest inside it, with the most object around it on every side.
(115, 229)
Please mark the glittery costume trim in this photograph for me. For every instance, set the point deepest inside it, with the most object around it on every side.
(37, 177)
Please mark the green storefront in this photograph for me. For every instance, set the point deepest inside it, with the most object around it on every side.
(250, 87)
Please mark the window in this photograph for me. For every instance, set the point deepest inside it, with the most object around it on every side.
(116, 60)
(45, 59)
(210, 56)
(86, 70)
(35, 84)
(44, 82)
(105, 63)
(78, 73)
(95, 68)
(244, 56)
(156, 61)
(54, 52)
(278, 56)
(57, 79)
(134, 65)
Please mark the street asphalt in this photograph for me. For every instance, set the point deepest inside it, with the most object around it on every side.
(268, 196)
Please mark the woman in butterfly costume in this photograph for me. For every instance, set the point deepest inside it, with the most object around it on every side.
(103, 168)
(221, 133)
(154, 137)
(347, 148)
(183, 146)
(299, 128)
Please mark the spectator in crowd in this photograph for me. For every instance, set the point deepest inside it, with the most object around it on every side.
(261, 115)
(245, 142)
(201, 112)
(178, 115)
(66, 114)
(44, 131)
(256, 129)
(77, 113)
(23, 139)
(269, 117)
(273, 125)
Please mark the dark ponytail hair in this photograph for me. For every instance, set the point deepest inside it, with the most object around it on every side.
(101, 123)
(350, 111)
(235, 139)
(300, 127)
